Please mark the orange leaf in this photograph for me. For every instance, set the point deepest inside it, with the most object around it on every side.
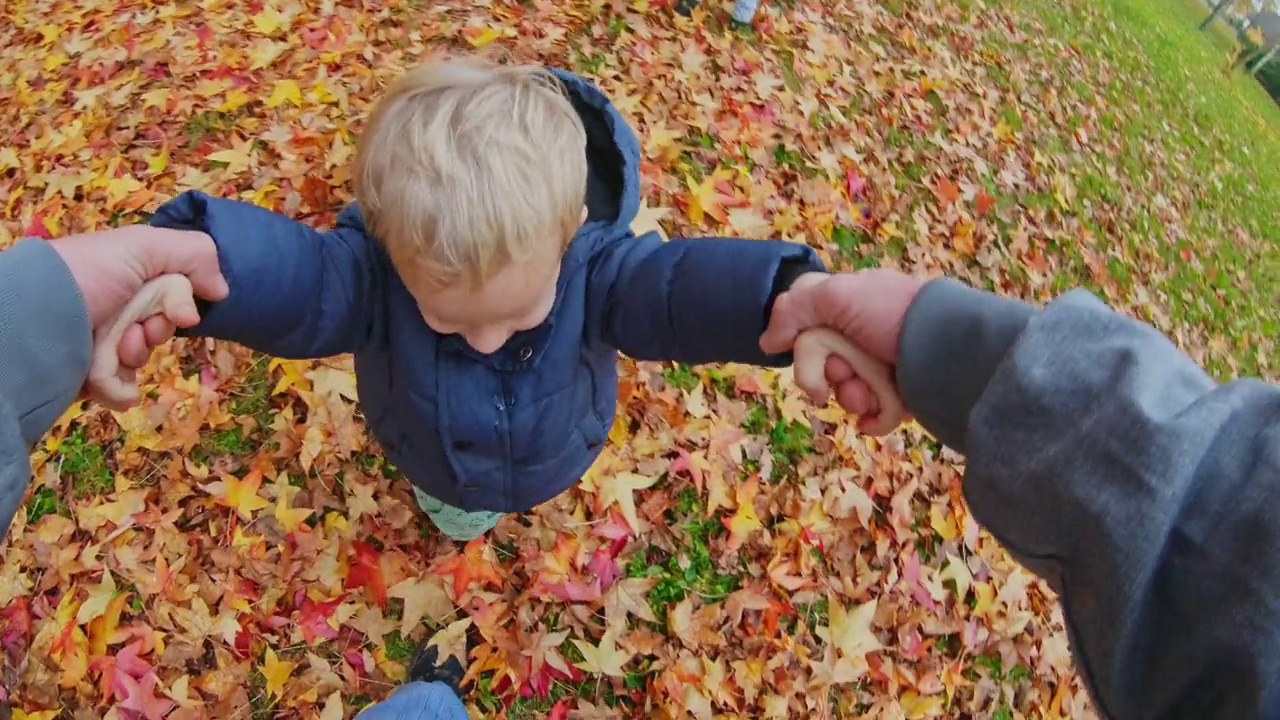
(946, 191)
(471, 566)
(239, 494)
(984, 202)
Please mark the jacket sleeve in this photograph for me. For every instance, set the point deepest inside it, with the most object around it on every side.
(295, 292)
(1108, 463)
(45, 347)
(692, 300)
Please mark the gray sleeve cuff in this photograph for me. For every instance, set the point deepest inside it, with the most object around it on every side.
(953, 338)
(46, 341)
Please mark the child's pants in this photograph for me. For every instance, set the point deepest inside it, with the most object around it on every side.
(454, 522)
(418, 701)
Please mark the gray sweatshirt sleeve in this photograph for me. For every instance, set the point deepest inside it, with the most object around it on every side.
(45, 347)
(1108, 463)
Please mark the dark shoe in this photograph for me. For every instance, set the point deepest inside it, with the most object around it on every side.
(685, 7)
(427, 667)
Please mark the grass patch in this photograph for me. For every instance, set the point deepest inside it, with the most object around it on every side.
(681, 376)
(399, 648)
(1181, 119)
(690, 570)
(206, 124)
(46, 501)
(86, 463)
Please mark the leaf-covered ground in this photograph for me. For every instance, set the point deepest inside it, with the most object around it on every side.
(237, 547)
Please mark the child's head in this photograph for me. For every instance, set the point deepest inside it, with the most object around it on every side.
(473, 175)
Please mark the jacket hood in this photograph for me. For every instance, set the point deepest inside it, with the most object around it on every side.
(613, 154)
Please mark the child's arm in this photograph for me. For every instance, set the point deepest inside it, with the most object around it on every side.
(295, 292)
(693, 300)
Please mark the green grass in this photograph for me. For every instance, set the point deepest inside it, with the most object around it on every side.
(691, 568)
(85, 463)
(1190, 125)
(45, 501)
(1220, 33)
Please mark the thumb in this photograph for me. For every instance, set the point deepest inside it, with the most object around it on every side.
(794, 312)
(180, 309)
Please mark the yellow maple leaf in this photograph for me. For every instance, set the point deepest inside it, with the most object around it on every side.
(9, 159)
(660, 141)
(119, 188)
(103, 630)
(53, 61)
(49, 33)
(158, 162)
(289, 517)
(606, 658)
(276, 672)
(986, 598)
(239, 494)
(20, 714)
(704, 199)
(293, 374)
(156, 97)
(99, 597)
(918, 707)
(269, 21)
(745, 521)
(957, 572)
(618, 489)
(235, 99)
(209, 88)
(649, 219)
(943, 522)
(238, 159)
(265, 52)
(889, 230)
(285, 91)
(70, 646)
(850, 631)
(481, 35)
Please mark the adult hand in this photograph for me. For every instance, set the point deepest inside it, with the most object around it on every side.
(867, 308)
(111, 266)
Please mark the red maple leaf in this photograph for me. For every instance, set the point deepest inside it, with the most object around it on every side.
(854, 183)
(313, 618)
(140, 699)
(117, 670)
(615, 527)
(605, 568)
(36, 228)
(204, 36)
(470, 566)
(559, 711)
(570, 590)
(366, 572)
(984, 202)
(15, 629)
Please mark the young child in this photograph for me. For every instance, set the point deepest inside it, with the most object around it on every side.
(486, 279)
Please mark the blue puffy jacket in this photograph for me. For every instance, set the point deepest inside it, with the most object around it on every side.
(509, 430)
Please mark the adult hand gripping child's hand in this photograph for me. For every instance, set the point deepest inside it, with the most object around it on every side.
(138, 283)
(843, 330)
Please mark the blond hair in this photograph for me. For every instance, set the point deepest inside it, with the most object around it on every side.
(466, 166)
